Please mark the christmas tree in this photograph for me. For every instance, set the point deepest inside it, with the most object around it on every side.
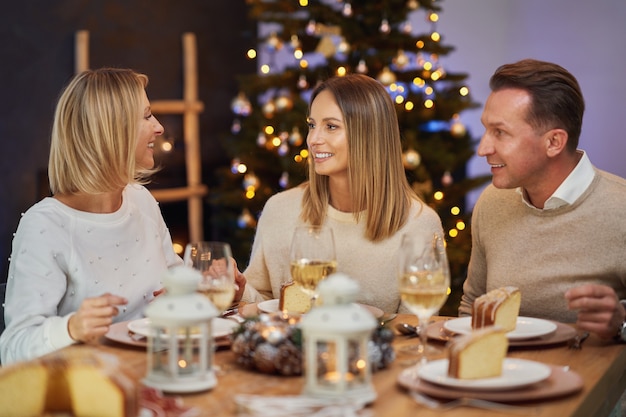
(303, 42)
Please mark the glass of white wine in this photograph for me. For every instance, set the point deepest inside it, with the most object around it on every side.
(214, 260)
(312, 257)
(424, 282)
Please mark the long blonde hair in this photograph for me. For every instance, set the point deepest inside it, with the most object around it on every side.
(95, 131)
(376, 175)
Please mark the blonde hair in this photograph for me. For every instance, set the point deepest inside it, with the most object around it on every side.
(95, 131)
(375, 172)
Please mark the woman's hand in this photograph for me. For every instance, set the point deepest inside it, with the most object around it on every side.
(240, 283)
(93, 318)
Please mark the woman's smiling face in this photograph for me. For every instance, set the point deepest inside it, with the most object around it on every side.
(327, 138)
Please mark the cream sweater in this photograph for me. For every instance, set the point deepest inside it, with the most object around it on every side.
(546, 252)
(372, 264)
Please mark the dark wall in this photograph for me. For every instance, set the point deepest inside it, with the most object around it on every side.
(37, 60)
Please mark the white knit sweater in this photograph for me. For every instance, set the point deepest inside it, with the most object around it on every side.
(372, 264)
(61, 256)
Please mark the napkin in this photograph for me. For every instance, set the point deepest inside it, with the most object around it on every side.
(296, 406)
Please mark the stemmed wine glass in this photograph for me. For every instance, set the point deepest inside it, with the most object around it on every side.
(312, 257)
(424, 281)
(214, 261)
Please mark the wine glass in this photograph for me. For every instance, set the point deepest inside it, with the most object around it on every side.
(312, 257)
(214, 260)
(424, 281)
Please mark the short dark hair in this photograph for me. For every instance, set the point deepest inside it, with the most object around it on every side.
(556, 98)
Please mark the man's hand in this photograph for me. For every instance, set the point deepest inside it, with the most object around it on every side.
(599, 310)
(93, 317)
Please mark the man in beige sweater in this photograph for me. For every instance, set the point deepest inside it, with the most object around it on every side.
(550, 223)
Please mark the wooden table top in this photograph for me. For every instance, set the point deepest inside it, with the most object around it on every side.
(601, 365)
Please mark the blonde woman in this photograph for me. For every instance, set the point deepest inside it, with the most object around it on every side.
(95, 251)
(357, 186)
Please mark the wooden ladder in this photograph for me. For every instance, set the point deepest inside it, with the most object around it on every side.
(190, 108)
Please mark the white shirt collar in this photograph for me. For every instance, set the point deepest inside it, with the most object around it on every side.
(571, 188)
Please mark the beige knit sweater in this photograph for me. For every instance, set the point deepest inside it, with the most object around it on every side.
(546, 252)
(372, 264)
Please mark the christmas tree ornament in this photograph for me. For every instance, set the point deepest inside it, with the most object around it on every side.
(311, 28)
(250, 180)
(283, 103)
(412, 4)
(235, 127)
(384, 28)
(261, 140)
(283, 181)
(269, 109)
(401, 60)
(447, 179)
(302, 82)
(236, 167)
(246, 219)
(295, 138)
(411, 159)
(295, 42)
(343, 47)
(457, 129)
(362, 67)
(347, 10)
(386, 77)
(274, 43)
(240, 105)
(326, 47)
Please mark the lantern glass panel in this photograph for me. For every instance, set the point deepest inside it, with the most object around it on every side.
(357, 362)
(327, 371)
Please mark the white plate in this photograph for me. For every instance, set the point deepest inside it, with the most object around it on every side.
(268, 306)
(526, 328)
(516, 373)
(221, 327)
(271, 306)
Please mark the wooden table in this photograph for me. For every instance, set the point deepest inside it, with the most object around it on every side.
(601, 364)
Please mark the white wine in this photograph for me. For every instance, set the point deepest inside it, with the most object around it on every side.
(309, 273)
(424, 294)
(221, 296)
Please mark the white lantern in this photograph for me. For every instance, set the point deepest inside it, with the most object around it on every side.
(180, 341)
(335, 339)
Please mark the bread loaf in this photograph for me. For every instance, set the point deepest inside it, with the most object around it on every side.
(479, 354)
(499, 307)
(293, 299)
(79, 382)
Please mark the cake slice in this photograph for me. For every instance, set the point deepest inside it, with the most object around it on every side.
(98, 388)
(23, 389)
(293, 299)
(479, 354)
(78, 382)
(499, 307)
